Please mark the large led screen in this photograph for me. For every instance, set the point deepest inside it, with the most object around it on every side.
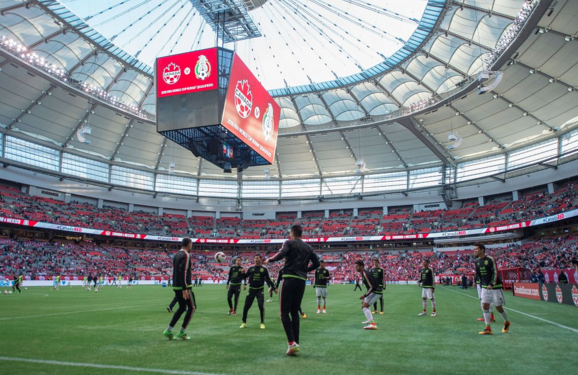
(250, 113)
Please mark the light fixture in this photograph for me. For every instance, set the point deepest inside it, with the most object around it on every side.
(570, 89)
(525, 114)
(532, 71)
(551, 80)
(495, 96)
(511, 105)
(539, 123)
(568, 38)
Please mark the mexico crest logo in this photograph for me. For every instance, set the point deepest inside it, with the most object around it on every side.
(171, 74)
(203, 68)
(243, 99)
(268, 123)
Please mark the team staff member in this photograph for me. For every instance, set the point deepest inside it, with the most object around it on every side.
(258, 276)
(298, 255)
(379, 276)
(182, 286)
(234, 285)
(487, 271)
(320, 285)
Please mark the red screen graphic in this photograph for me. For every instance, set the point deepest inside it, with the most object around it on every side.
(186, 73)
(250, 112)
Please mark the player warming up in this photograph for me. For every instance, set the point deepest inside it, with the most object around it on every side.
(371, 296)
(322, 277)
(279, 280)
(297, 255)
(427, 288)
(16, 284)
(234, 286)
(479, 288)
(258, 276)
(379, 276)
(487, 271)
(182, 286)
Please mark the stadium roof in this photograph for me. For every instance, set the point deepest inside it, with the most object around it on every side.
(395, 112)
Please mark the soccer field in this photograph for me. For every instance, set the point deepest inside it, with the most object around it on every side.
(72, 331)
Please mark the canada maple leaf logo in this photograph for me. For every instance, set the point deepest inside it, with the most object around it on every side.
(243, 98)
(171, 73)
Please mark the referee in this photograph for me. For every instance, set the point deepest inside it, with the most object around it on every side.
(182, 286)
(297, 256)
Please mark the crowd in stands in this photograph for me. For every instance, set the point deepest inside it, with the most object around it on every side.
(498, 211)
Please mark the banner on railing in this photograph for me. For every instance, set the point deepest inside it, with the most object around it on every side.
(460, 233)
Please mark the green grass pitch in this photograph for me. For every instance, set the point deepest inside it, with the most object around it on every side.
(119, 331)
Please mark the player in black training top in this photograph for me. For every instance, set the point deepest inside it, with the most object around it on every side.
(379, 276)
(182, 286)
(16, 284)
(322, 278)
(234, 285)
(298, 255)
(487, 271)
(426, 280)
(258, 276)
(373, 293)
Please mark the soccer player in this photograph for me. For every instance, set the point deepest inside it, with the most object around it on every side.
(95, 281)
(487, 271)
(101, 280)
(56, 281)
(379, 276)
(427, 288)
(479, 288)
(371, 296)
(182, 285)
(321, 279)
(357, 284)
(297, 255)
(88, 286)
(16, 284)
(258, 276)
(130, 279)
(119, 282)
(85, 282)
(234, 285)
(279, 280)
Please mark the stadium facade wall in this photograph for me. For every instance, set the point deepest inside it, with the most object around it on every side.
(207, 205)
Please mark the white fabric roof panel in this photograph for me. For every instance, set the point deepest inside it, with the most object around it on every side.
(66, 49)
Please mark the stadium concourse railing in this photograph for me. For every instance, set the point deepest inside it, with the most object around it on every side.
(458, 233)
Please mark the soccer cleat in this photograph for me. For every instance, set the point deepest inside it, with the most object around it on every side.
(262, 326)
(230, 312)
(243, 325)
(304, 316)
(421, 313)
(433, 314)
(374, 312)
(381, 313)
(234, 313)
(293, 349)
(487, 331)
(169, 309)
(324, 312)
(183, 336)
(168, 334)
(269, 300)
(371, 326)
(318, 311)
(506, 326)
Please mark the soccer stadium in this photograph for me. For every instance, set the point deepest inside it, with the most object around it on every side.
(394, 183)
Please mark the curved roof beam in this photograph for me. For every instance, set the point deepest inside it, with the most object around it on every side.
(412, 125)
(46, 39)
(7, 9)
(460, 37)
(31, 106)
(482, 10)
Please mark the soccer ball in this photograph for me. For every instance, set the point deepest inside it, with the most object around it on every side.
(220, 257)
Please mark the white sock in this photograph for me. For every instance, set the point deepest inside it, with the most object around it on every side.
(424, 304)
(487, 317)
(504, 315)
(368, 314)
(491, 308)
(433, 304)
(324, 303)
(318, 301)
